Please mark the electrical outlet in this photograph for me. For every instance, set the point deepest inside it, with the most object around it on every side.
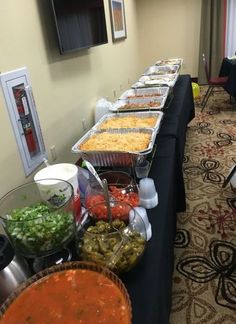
(128, 81)
(114, 94)
(53, 152)
(84, 124)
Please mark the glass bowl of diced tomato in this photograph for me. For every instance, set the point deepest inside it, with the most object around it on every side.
(121, 187)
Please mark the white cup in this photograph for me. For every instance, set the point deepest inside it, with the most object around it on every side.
(147, 193)
(142, 169)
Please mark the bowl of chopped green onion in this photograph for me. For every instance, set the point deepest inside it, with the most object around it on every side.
(35, 226)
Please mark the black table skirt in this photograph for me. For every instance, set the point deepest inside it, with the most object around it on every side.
(228, 68)
(180, 112)
(149, 283)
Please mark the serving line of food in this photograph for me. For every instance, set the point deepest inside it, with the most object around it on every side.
(113, 230)
(125, 137)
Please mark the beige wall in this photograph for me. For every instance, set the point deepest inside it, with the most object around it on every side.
(67, 87)
(170, 28)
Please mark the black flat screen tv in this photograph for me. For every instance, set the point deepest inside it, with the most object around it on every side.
(80, 24)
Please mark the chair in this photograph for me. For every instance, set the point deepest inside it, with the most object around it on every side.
(212, 83)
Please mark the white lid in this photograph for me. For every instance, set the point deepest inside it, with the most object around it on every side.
(63, 171)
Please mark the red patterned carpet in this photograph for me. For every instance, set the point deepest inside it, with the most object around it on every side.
(204, 278)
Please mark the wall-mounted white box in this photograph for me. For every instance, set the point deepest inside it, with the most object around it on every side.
(24, 118)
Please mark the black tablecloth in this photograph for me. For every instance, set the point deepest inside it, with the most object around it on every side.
(149, 283)
(177, 116)
(228, 68)
(180, 112)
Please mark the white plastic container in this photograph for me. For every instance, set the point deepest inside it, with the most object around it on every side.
(63, 171)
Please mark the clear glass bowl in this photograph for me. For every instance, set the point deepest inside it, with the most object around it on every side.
(121, 186)
(38, 217)
(42, 277)
(118, 244)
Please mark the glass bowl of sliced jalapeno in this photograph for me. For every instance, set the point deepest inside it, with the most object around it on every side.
(39, 226)
(117, 244)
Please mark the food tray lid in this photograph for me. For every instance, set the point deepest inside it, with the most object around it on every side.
(91, 132)
(141, 114)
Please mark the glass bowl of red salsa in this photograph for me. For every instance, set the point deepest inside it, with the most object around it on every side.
(73, 292)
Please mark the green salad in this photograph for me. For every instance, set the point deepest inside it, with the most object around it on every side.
(36, 230)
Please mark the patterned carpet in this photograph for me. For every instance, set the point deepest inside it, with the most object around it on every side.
(204, 278)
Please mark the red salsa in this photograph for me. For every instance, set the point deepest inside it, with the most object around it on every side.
(70, 296)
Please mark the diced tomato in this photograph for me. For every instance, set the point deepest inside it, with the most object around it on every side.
(99, 210)
(130, 197)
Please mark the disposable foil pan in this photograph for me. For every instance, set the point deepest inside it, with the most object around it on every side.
(170, 61)
(156, 80)
(161, 70)
(138, 104)
(114, 158)
(145, 92)
(144, 114)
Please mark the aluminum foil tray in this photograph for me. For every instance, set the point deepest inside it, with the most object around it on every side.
(170, 61)
(142, 115)
(136, 104)
(162, 70)
(156, 80)
(114, 158)
(145, 92)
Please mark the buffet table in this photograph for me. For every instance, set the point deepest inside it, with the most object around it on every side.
(228, 68)
(149, 283)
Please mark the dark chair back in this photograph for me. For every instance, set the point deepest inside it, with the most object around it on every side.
(205, 67)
